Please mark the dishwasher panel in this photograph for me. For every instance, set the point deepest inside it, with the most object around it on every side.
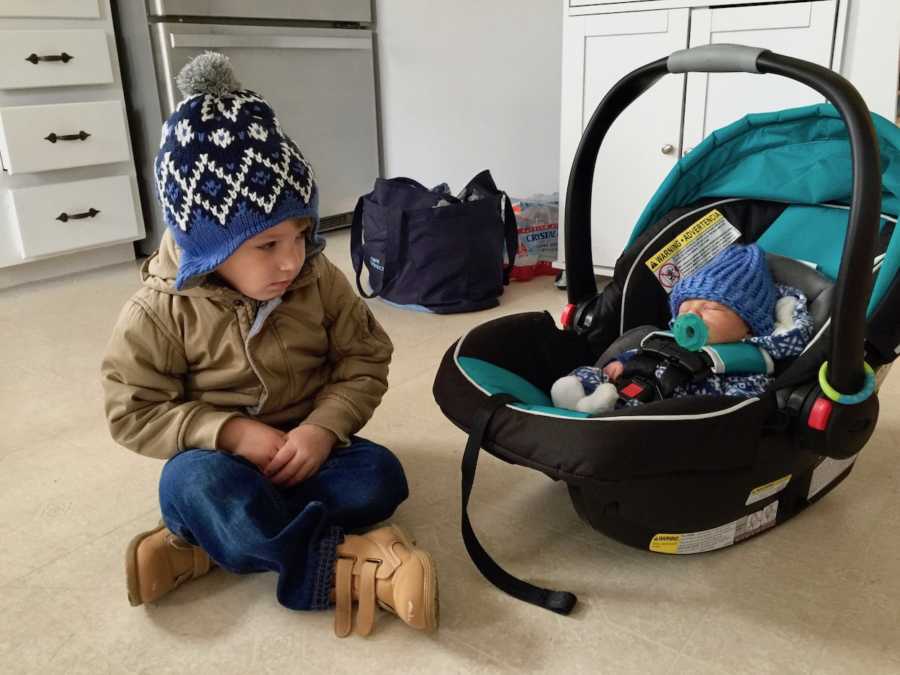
(308, 10)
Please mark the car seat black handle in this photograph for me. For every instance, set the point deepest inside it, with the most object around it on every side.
(854, 284)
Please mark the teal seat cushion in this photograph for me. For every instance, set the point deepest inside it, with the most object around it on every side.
(497, 380)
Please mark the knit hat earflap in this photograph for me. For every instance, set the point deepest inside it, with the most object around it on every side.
(739, 278)
(226, 170)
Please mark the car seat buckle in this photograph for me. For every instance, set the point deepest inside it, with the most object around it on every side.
(633, 390)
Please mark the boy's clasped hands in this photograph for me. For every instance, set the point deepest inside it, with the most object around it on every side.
(286, 459)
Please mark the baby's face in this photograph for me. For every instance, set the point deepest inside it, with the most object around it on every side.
(264, 266)
(722, 322)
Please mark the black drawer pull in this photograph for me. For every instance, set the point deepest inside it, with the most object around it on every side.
(80, 136)
(35, 59)
(65, 217)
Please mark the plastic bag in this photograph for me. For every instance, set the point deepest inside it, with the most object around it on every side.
(537, 218)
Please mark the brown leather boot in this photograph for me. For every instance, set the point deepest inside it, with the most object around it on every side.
(157, 561)
(384, 567)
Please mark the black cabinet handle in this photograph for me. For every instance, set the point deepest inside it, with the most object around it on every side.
(65, 217)
(53, 137)
(35, 59)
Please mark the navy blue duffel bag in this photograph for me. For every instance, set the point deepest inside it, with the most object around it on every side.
(431, 250)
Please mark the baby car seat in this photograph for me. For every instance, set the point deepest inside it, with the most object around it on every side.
(694, 474)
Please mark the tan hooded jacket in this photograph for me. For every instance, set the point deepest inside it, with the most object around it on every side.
(180, 364)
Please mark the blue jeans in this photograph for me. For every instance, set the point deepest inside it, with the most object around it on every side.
(223, 504)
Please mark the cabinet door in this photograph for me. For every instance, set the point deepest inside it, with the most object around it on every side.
(804, 30)
(644, 142)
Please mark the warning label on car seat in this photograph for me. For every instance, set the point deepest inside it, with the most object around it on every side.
(702, 241)
(717, 537)
(757, 494)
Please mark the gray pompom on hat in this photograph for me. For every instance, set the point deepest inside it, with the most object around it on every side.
(209, 73)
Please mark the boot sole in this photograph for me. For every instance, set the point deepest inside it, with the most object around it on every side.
(432, 597)
(432, 601)
(131, 568)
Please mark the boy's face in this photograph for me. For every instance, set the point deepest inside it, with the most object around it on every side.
(722, 322)
(264, 266)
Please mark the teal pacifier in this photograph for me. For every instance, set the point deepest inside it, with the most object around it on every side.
(690, 332)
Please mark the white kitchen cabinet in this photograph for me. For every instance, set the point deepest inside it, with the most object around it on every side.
(599, 50)
(804, 30)
(83, 9)
(603, 42)
(68, 191)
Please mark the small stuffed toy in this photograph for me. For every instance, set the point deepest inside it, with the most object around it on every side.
(737, 300)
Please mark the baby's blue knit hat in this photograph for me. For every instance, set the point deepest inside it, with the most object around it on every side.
(226, 171)
(739, 278)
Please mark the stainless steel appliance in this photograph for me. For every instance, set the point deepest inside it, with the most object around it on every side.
(311, 59)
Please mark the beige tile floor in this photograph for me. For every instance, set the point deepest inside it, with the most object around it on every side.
(820, 594)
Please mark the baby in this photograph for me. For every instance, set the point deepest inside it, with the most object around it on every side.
(738, 301)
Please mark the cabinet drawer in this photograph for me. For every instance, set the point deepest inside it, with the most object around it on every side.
(81, 9)
(587, 3)
(44, 137)
(64, 217)
(771, 17)
(52, 58)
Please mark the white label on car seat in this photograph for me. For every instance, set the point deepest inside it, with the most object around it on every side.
(826, 472)
(756, 522)
(702, 241)
(717, 537)
(767, 490)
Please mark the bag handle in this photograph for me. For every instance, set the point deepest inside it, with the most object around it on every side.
(357, 252)
(485, 182)
(358, 248)
(511, 234)
(560, 602)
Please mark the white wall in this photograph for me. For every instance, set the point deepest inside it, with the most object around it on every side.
(871, 51)
(470, 85)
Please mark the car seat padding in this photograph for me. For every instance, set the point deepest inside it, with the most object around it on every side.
(815, 286)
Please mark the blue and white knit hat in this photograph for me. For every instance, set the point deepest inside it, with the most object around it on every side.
(739, 278)
(226, 171)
